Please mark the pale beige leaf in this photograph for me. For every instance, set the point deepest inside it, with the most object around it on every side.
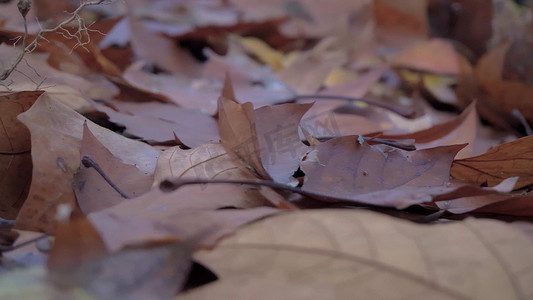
(343, 254)
(208, 161)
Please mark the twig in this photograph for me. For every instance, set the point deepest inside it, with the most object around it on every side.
(11, 248)
(89, 162)
(171, 184)
(404, 113)
(24, 6)
(407, 144)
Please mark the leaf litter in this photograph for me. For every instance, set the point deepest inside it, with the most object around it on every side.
(205, 132)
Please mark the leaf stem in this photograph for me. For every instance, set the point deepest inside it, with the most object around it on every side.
(402, 112)
(89, 162)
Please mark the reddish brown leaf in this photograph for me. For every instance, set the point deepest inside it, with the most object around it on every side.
(507, 160)
(15, 157)
(507, 94)
(76, 243)
(494, 200)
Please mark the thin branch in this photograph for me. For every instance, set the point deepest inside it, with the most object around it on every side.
(401, 112)
(11, 248)
(89, 162)
(407, 144)
(78, 35)
(171, 184)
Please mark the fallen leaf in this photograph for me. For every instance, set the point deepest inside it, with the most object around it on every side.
(495, 200)
(158, 272)
(15, 157)
(158, 123)
(433, 56)
(400, 24)
(236, 123)
(56, 132)
(507, 94)
(135, 222)
(93, 192)
(501, 162)
(308, 18)
(208, 161)
(461, 130)
(279, 144)
(331, 254)
(79, 259)
(167, 55)
(238, 135)
(253, 82)
(307, 72)
(76, 243)
(344, 169)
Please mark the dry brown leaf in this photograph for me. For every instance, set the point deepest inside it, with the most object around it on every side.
(433, 56)
(236, 123)
(400, 23)
(309, 70)
(495, 200)
(93, 192)
(347, 169)
(280, 146)
(308, 18)
(461, 130)
(507, 94)
(76, 243)
(467, 198)
(507, 160)
(322, 121)
(15, 157)
(208, 161)
(158, 123)
(56, 132)
(79, 259)
(134, 222)
(253, 82)
(238, 135)
(167, 55)
(340, 254)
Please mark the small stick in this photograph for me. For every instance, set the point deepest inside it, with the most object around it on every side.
(88, 162)
(171, 184)
(406, 144)
(399, 111)
(11, 248)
